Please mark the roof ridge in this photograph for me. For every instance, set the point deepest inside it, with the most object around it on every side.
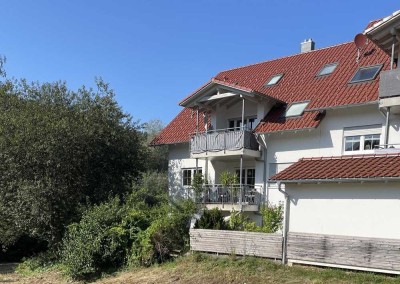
(283, 57)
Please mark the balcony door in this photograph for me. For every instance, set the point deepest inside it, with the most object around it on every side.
(248, 176)
(249, 123)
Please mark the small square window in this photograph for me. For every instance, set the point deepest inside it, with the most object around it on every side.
(327, 69)
(366, 73)
(296, 109)
(273, 80)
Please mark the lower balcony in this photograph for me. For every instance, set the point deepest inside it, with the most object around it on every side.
(234, 197)
(223, 143)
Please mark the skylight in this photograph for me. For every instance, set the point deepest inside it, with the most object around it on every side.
(327, 69)
(366, 73)
(296, 109)
(273, 80)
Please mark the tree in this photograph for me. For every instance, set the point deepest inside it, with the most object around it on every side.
(60, 151)
(158, 155)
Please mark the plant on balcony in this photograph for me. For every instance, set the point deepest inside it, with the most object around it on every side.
(197, 185)
(228, 180)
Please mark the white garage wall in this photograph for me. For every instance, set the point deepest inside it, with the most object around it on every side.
(352, 209)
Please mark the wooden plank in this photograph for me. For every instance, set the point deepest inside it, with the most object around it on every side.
(372, 253)
(240, 243)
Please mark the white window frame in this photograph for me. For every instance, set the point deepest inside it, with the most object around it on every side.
(237, 172)
(304, 106)
(362, 132)
(273, 80)
(238, 121)
(192, 173)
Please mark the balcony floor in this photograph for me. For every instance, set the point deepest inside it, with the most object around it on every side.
(232, 207)
(227, 153)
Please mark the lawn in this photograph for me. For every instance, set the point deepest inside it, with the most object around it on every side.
(202, 268)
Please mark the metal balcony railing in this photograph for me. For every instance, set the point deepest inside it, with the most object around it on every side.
(223, 140)
(221, 194)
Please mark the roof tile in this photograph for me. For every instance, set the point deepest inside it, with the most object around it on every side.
(342, 167)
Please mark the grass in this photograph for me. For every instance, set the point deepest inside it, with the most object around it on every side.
(203, 268)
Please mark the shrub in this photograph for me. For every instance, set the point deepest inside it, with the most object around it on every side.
(211, 219)
(167, 234)
(272, 217)
(97, 242)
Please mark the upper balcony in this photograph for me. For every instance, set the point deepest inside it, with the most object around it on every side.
(389, 90)
(224, 143)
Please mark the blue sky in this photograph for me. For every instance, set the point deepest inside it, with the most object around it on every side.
(154, 53)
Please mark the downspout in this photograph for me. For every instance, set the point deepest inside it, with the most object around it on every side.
(285, 223)
(241, 160)
(264, 146)
(387, 126)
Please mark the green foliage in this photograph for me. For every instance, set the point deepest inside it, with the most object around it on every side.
(97, 242)
(166, 234)
(227, 178)
(272, 217)
(60, 151)
(157, 158)
(211, 219)
(240, 222)
(197, 185)
(144, 229)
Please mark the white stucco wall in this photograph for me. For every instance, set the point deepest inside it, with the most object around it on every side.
(179, 158)
(324, 141)
(352, 209)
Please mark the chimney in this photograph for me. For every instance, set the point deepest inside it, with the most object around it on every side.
(307, 45)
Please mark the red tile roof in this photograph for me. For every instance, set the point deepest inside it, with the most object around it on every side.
(343, 167)
(299, 83)
(180, 128)
(274, 121)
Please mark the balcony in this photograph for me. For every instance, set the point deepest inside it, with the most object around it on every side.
(389, 90)
(387, 149)
(228, 198)
(226, 142)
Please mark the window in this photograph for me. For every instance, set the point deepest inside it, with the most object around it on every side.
(249, 123)
(371, 141)
(248, 176)
(352, 143)
(363, 138)
(187, 176)
(366, 73)
(327, 69)
(273, 80)
(296, 109)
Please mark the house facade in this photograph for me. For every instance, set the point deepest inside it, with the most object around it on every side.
(318, 130)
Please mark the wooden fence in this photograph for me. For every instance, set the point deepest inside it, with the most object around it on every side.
(371, 254)
(235, 242)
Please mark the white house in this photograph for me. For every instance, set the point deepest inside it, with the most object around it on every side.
(320, 127)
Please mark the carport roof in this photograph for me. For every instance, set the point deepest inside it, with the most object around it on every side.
(342, 168)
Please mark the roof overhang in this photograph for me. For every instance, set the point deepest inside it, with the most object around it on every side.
(337, 180)
(216, 91)
(382, 32)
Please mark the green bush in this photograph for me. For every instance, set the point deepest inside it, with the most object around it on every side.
(97, 242)
(272, 217)
(166, 235)
(115, 234)
(211, 219)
